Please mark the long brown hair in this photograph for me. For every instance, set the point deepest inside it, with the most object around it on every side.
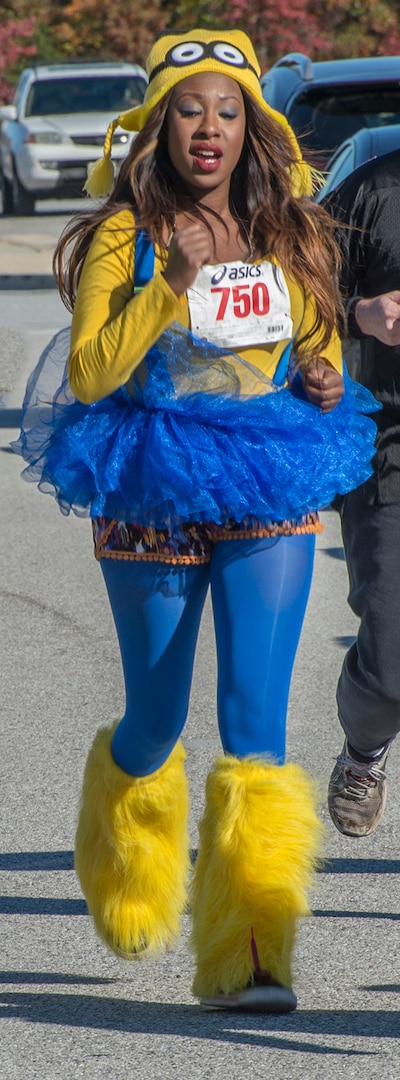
(295, 230)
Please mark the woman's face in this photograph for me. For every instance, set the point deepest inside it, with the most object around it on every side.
(206, 124)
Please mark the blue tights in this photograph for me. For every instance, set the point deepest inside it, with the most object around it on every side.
(259, 594)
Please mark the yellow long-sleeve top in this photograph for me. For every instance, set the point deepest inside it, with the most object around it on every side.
(112, 330)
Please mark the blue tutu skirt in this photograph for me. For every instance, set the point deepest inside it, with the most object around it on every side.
(204, 437)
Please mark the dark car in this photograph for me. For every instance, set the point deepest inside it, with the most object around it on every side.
(328, 101)
(365, 144)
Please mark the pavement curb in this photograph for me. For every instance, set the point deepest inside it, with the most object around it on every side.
(10, 417)
(17, 282)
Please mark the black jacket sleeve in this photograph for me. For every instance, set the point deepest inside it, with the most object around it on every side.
(366, 207)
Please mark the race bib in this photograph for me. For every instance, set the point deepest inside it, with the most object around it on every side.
(239, 304)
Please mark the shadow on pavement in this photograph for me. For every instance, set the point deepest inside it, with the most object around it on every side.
(41, 905)
(64, 860)
(329, 913)
(334, 552)
(191, 1021)
(37, 860)
(345, 640)
(361, 866)
(49, 978)
(10, 418)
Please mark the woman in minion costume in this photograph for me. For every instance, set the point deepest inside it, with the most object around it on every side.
(204, 420)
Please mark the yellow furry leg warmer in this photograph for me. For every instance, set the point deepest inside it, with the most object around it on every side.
(259, 843)
(132, 850)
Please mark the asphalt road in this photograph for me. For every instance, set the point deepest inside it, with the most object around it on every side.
(68, 1008)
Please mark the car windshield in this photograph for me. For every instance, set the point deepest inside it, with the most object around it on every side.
(325, 117)
(85, 93)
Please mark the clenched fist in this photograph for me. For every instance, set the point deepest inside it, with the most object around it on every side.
(189, 249)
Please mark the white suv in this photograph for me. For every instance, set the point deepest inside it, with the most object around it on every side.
(56, 126)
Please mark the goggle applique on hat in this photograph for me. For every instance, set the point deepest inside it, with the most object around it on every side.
(191, 52)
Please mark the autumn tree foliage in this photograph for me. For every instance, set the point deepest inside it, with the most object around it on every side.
(275, 26)
(358, 27)
(120, 30)
(16, 48)
(126, 29)
(323, 29)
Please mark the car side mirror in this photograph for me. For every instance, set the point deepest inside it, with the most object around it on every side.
(8, 112)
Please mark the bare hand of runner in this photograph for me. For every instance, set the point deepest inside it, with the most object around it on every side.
(323, 385)
(379, 316)
(189, 249)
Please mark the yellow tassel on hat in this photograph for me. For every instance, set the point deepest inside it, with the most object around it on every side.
(100, 178)
(101, 173)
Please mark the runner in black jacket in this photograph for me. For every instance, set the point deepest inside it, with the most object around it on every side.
(367, 204)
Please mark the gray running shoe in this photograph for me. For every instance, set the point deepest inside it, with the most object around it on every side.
(357, 793)
(264, 996)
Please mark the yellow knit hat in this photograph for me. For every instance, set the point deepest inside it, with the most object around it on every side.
(176, 56)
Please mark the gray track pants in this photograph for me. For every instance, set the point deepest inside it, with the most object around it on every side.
(368, 693)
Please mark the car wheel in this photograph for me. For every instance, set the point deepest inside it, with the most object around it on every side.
(23, 200)
(6, 195)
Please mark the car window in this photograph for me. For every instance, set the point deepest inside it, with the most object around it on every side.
(342, 165)
(325, 118)
(83, 94)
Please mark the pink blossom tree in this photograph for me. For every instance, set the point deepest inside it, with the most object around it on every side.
(16, 45)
